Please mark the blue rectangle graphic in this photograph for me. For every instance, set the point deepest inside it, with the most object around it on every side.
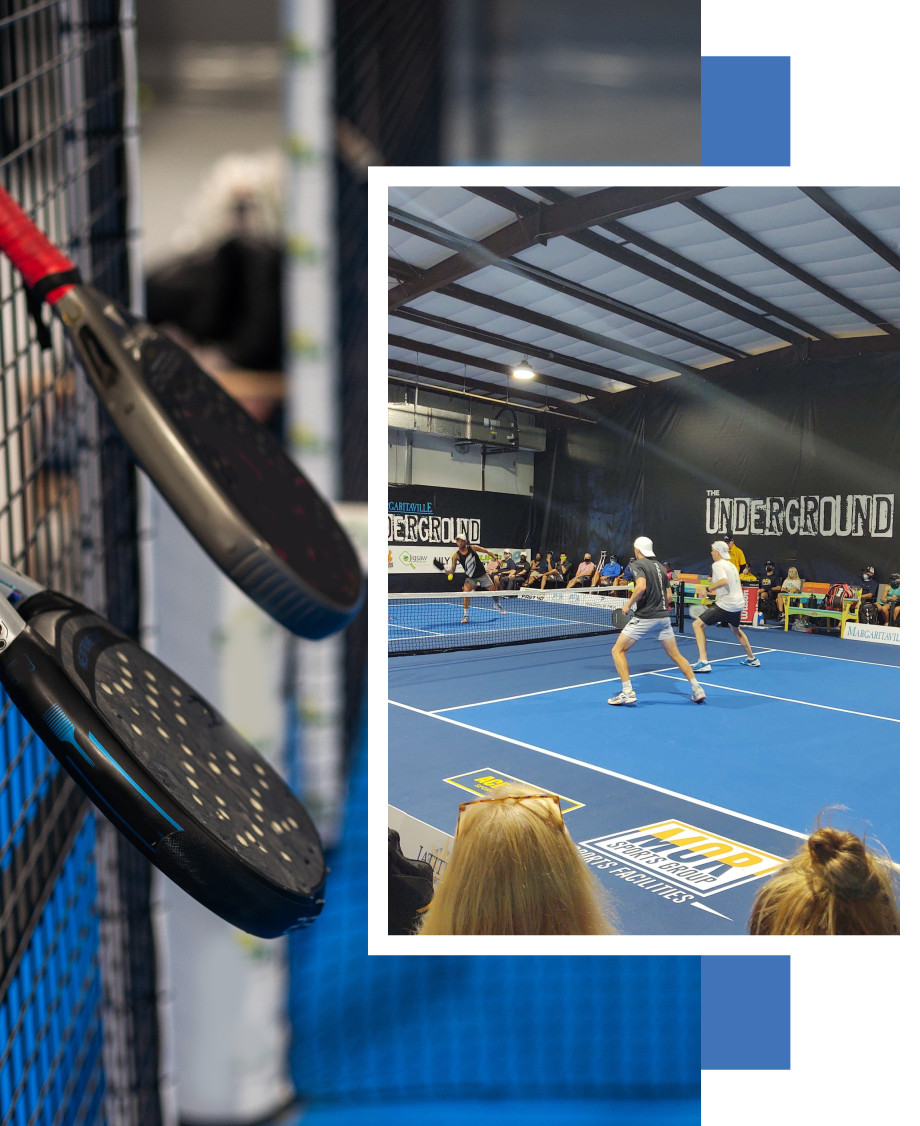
(745, 1012)
(746, 106)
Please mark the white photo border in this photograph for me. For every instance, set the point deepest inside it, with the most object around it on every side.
(380, 180)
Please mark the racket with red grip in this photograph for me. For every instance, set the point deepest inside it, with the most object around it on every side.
(227, 478)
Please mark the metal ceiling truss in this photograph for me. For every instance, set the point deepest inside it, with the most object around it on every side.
(569, 216)
(433, 233)
(548, 221)
(451, 384)
(509, 344)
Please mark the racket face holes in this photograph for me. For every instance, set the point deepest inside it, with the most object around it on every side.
(221, 782)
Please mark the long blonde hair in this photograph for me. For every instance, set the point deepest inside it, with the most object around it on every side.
(833, 885)
(514, 869)
(792, 573)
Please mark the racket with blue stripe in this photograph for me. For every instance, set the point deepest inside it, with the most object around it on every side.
(160, 762)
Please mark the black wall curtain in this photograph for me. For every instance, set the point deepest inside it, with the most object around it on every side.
(814, 444)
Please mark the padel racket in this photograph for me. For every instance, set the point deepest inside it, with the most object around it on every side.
(162, 764)
(224, 474)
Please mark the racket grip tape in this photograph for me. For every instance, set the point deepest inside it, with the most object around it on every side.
(35, 256)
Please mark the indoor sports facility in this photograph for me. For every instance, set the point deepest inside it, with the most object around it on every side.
(573, 368)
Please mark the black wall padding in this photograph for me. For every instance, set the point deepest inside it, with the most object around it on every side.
(819, 429)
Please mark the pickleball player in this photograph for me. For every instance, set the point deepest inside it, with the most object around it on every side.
(652, 619)
(475, 577)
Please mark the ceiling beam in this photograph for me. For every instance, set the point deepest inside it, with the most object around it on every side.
(725, 376)
(565, 328)
(530, 401)
(423, 228)
(549, 221)
(442, 353)
(509, 344)
(638, 262)
(720, 222)
(827, 202)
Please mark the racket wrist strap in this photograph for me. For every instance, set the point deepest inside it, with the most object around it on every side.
(35, 295)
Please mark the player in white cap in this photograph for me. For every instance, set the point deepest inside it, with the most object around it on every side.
(652, 594)
(728, 607)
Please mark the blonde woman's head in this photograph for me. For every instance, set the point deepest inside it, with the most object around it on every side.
(833, 885)
(514, 869)
(792, 573)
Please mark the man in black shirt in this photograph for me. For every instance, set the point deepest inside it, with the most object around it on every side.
(652, 594)
(869, 584)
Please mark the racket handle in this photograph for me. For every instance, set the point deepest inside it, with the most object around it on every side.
(33, 255)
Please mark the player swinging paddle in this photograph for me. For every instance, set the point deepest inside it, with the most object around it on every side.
(466, 559)
(652, 594)
(728, 607)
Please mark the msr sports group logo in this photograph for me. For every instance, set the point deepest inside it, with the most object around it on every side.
(683, 855)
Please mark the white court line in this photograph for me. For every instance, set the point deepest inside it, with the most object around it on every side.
(415, 629)
(785, 699)
(564, 688)
(796, 653)
(602, 770)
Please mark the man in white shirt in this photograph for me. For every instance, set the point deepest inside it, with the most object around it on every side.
(728, 607)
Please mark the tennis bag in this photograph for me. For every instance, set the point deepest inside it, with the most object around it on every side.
(868, 613)
(833, 600)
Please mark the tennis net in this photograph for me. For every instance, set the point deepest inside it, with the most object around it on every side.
(424, 623)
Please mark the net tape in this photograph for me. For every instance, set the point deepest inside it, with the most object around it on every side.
(424, 623)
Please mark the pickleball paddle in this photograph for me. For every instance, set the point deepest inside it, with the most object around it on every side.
(224, 474)
(160, 762)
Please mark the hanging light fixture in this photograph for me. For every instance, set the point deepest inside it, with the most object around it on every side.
(523, 370)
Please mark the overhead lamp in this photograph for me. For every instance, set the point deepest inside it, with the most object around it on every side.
(523, 370)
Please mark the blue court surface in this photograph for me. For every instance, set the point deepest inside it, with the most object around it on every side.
(681, 809)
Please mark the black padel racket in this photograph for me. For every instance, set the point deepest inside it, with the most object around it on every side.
(224, 474)
(166, 769)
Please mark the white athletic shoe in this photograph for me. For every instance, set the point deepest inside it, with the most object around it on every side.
(464, 620)
(702, 666)
(698, 696)
(752, 661)
(625, 697)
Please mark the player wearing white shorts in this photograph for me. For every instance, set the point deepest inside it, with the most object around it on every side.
(652, 594)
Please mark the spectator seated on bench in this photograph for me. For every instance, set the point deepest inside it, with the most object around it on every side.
(889, 602)
(792, 584)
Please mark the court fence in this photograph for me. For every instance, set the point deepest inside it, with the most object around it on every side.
(78, 1032)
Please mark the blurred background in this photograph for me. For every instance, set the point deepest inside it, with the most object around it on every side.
(205, 161)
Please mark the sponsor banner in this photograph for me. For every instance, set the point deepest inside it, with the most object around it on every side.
(420, 517)
(421, 841)
(681, 856)
(420, 560)
(846, 514)
(855, 631)
(488, 783)
(580, 596)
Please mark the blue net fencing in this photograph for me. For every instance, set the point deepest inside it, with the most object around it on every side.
(400, 1029)
(68, 926)
(51, 1061)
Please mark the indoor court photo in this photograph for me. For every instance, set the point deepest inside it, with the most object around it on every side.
(594, 388)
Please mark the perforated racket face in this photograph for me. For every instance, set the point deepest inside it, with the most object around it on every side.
(206, 767)
(255, 473)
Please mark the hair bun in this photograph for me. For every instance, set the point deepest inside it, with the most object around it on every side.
(825, 844)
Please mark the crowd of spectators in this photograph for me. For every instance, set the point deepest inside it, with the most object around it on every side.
(549, 570)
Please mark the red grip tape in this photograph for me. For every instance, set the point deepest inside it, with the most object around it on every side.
(27, 248)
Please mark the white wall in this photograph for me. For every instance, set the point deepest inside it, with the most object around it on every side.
(431, 459)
